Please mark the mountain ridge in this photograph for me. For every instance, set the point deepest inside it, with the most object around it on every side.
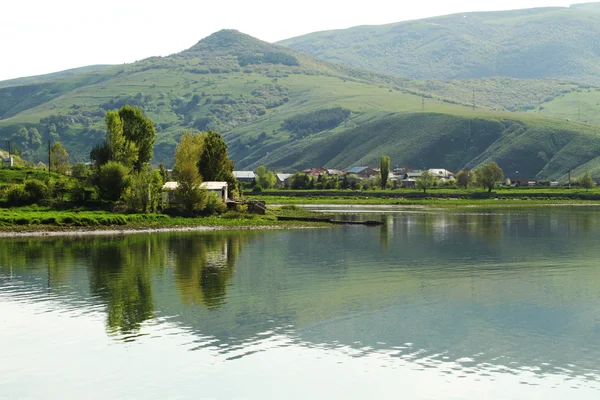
(555, 42)
(288, 110)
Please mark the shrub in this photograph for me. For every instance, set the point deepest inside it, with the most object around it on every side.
(17, 196)
(112, 180)
(78, 193)
(36, 190)
(257, 189)
(214, 205)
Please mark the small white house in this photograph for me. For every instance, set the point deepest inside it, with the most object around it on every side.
(220, 188)
(8, 162)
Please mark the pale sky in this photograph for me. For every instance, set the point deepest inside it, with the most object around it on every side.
(42, 36)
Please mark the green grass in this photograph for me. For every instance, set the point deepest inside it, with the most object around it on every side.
(36, 218)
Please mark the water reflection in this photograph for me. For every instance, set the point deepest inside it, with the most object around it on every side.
(485, 293)
(120, 270)
(121, 275)
(203, 267)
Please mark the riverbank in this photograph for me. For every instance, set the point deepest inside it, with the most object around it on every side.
(46, 221)
(443, 202)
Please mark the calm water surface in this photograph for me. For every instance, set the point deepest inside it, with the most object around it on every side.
(502, 304)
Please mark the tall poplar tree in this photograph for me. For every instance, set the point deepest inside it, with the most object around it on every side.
(384, 170)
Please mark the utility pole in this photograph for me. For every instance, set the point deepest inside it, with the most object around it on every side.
(569, 177)
(578, 111)
(48, 155)
(8, 147)
(422, 104)
(473, 99)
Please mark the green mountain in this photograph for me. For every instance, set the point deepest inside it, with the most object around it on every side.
(289, 110)
(558, 42)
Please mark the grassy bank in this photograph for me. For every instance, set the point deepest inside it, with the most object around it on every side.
(443, 202)
(36, 218)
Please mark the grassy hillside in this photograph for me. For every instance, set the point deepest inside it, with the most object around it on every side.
(54, 76)
(289, 110)
(531, 44)
(533, 146)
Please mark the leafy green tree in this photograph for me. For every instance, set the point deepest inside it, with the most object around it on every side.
(121, 149)
(189, 150)
(214, 163)
(188, 191)
(384, 170)
(265, 179)
(35, 138)
(143, 192)
(464, 178)
(36, 190)
(100, 155)
(59, 158)
(586, 181)
(112, 180)
(300, 181)
(23, 138)
(163, 172)
(488, 175)
(139, 130)
(187, 154)
(129, 139)
(80, 170)
(426, 181)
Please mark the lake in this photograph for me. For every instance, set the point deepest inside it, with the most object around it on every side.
(473, 304)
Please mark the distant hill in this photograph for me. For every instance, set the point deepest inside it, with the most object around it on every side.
(560, 43)
(289, 110)
(53, 76)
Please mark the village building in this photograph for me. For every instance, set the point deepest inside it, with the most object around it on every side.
(408, 183)
(522, 181)
(8, 162)
(283, 179)
(220, 188)
(335, 172)
(314, 171)
(244, 176)
(442, 174)
(363, 172)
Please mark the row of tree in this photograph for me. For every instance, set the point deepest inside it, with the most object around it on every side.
(120, 169)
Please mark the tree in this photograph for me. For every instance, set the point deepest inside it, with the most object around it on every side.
(300, 181)
(139, 130)
(189, 150)
(464, 178)
(265, 179)
(143, 192)
(129, 139)
(384, 170)
(214, 163)
(425, 181)
(35, 138)
(59, 158)
(187, 155)
(188, 190)
(120, 149)
(80, 170)
(112, 180)
(488, 175)
(586, 181)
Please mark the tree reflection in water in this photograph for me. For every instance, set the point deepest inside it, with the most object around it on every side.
(203, 267)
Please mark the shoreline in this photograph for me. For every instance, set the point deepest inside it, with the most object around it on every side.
(132, 231)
